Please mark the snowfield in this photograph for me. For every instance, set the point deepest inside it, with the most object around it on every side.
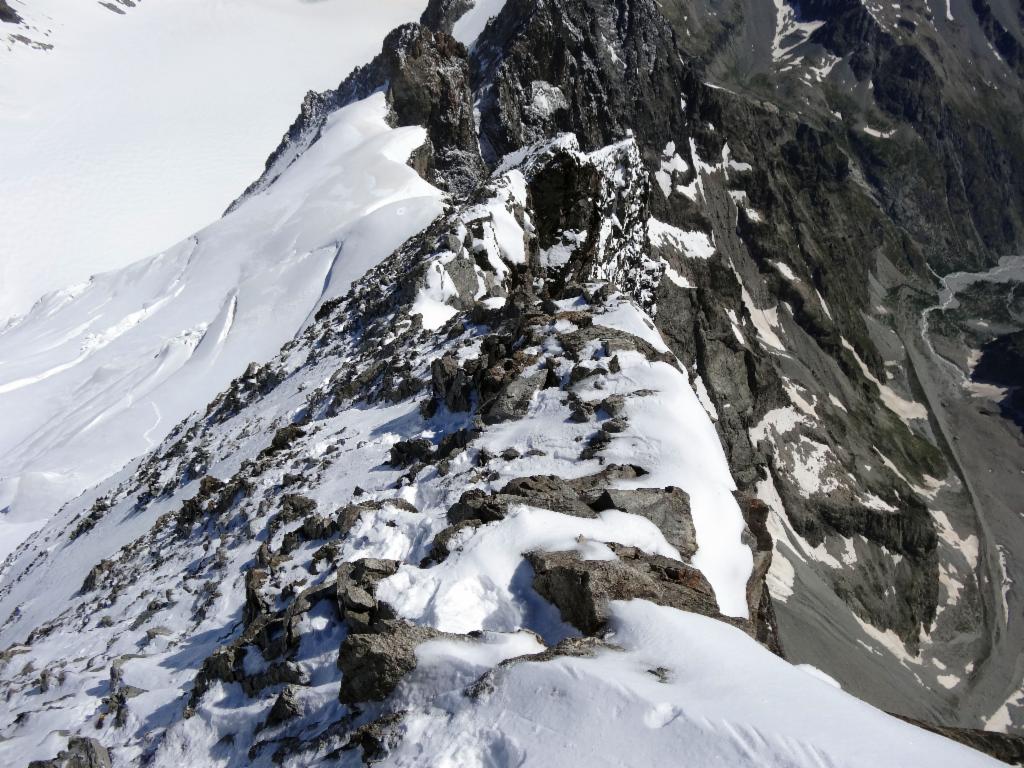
(96, 375)
(136, 130)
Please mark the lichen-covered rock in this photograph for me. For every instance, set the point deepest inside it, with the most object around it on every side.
(513, 400)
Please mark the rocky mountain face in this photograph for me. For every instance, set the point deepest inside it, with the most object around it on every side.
(676, 339)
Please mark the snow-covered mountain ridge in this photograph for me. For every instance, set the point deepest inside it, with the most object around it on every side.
(470, 444)
(509, 497)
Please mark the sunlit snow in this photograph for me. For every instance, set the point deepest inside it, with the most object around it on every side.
(93, 377)
(136, 130)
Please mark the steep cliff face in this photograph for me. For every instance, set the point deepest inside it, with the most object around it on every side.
(804, 206)
(922, 85)
(658, 397)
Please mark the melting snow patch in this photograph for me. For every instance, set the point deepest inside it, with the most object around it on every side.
(824, 305)
(704, 398)
(779, 420)
(966, 545)
(784, 269)
(789, 33)
(948, 681)
(807, 407)
(675, 277)
(1000, 720)
(810, 467)
(671, 163)
(871, 501)
(733, 165)
(781, 577)
(766, 321)
(879, 134)
(836, 402)
(905, 409)
(888, 640)
(696, 245)
(734, 321)
(1005, 581)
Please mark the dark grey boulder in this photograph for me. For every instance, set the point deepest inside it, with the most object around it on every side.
(8, 14)
(285, 436)
(372, 664)
(450, 384)
(405, 453)
(285, 707)
(582, 589)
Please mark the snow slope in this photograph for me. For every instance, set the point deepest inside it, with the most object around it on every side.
(136, 130)
(95, 375)
(724, 700)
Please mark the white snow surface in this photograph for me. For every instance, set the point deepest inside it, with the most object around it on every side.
(137, 129)
(96, 375)
(430, 302)
(680, 686)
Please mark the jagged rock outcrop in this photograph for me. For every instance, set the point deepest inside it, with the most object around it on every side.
(82, 752)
